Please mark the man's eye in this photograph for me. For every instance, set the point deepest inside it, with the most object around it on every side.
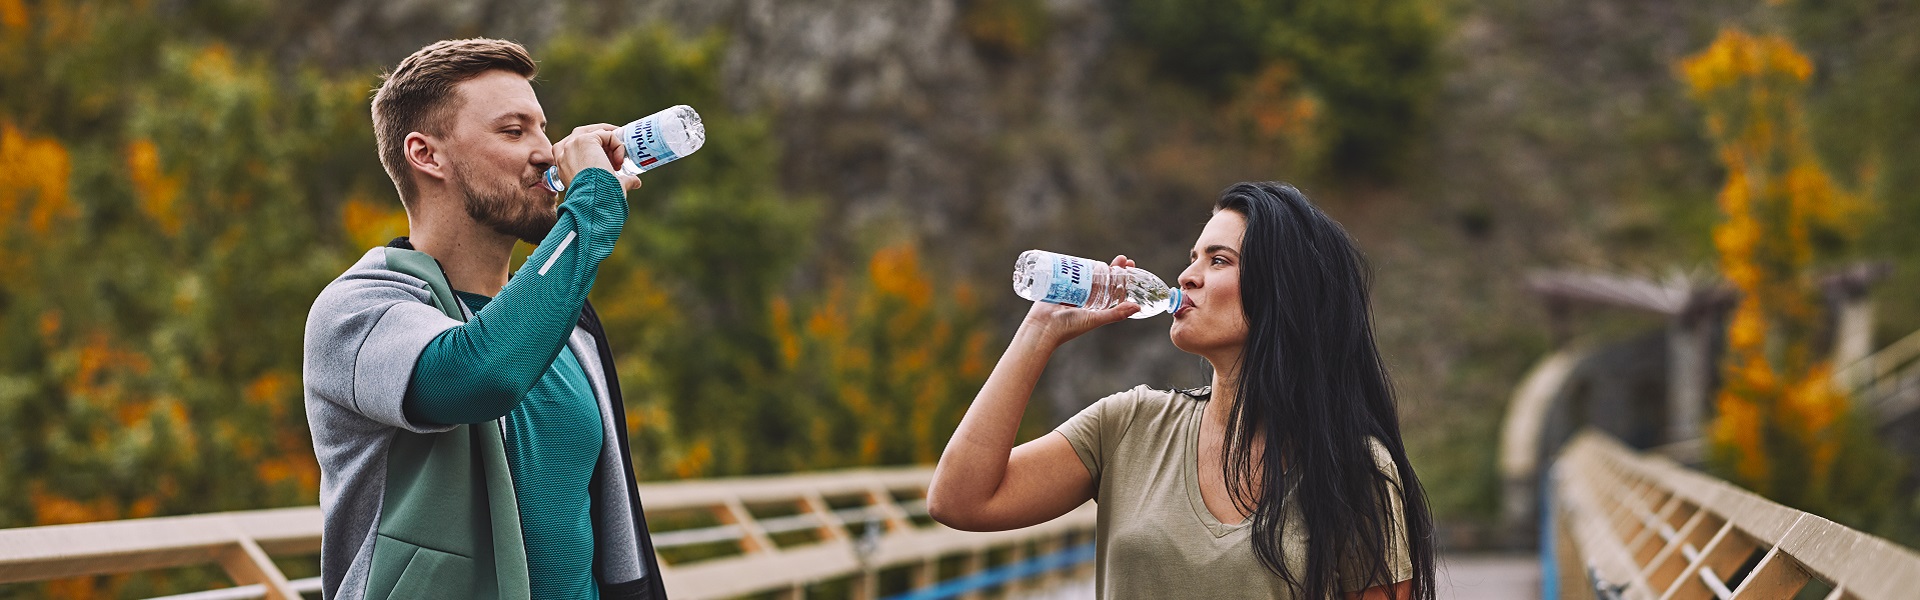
(513, 132)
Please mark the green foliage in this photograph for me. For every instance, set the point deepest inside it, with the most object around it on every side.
(1372, 64)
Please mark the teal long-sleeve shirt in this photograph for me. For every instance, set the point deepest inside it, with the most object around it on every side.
(509, 361)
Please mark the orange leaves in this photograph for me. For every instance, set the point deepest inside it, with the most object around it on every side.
(50, 325)
(1737, 58)
(13, 15)
(895, 271)
(1005, 28)
(694, 461)
(781, 323)
(159, 192)
(33, 179)
(888, 362)
(100, 368)
(291, 466)
(214, 65)
(1778, 410)
(1276, 107)
(371, 224)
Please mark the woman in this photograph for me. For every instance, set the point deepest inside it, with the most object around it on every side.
(1285, 479)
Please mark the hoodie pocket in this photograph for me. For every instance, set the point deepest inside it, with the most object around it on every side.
(404, 570)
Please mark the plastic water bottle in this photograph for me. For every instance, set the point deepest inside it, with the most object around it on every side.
(1044, 276)
(655, 140)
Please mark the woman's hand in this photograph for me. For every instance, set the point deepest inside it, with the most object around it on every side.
(1055, 324)
(592, 146)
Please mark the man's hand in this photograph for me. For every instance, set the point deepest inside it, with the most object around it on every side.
(592, 146)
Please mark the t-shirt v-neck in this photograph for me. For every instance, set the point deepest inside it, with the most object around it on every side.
(1191, 468)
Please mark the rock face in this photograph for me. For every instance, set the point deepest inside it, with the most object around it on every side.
(902, 121)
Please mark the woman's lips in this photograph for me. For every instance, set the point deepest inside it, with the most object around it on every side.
(1186, 305)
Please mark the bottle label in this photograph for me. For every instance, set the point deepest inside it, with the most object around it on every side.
(1072, 281)
(645, 148)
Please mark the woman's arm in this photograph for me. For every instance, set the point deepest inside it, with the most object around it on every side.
(983, 482)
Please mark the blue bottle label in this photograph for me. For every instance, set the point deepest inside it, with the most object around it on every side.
(1072, 281)
(645, 148)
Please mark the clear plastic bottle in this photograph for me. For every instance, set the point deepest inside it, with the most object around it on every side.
(1044, 276)
(654, 140)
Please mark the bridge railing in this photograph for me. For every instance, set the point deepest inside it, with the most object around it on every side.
(1628, 525)
(717, 538)
(1888, 381)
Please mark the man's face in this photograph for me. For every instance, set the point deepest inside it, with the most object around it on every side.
(497, 150)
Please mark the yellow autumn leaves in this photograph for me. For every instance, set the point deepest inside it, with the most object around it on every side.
(1779, 414)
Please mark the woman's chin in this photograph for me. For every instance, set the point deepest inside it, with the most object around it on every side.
(1181, 338)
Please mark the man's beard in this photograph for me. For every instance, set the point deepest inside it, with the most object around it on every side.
(507, 210)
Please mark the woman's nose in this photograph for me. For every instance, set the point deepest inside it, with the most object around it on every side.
(1190, 277)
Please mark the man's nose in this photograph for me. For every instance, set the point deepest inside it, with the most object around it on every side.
(543, 156)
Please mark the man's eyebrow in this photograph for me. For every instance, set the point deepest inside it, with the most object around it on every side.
(516, 116)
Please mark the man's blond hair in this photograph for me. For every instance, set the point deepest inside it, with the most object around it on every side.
(419, 95)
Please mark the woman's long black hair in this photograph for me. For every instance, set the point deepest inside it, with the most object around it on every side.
(1312, 386)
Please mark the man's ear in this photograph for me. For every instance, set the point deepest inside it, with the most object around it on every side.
(423, 155)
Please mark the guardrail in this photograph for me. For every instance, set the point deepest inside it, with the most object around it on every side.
(717, 538)
(1888, 381)
(1627, 525)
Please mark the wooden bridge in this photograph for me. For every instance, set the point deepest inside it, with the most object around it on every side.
(1620, 524)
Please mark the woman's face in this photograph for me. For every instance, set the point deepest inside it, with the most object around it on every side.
(1209, 321)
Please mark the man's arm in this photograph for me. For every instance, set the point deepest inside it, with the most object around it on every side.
(479, 370)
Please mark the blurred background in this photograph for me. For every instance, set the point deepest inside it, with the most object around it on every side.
(825, 284)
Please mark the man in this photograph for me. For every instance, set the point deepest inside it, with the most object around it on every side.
(468, 425)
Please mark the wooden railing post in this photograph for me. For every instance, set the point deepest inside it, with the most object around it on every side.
(247, 564)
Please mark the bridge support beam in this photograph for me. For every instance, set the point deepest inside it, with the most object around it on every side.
(1689, 373)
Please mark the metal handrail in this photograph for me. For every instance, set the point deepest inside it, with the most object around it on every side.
(885, 506)
(1641, 526)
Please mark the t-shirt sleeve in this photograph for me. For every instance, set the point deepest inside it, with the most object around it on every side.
(1353, 577)
(1097, 429)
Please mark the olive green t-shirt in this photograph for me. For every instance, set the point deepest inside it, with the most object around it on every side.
(1156, 538)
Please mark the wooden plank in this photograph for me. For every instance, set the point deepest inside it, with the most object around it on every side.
(1869, 567)
(1777, 576)
(248, 565)
(1670, 562)
(831, 526)
(753, 537)
(1726, 551)
(60, 551)
(896, 519)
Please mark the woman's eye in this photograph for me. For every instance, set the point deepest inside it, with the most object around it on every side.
(1219, 261)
